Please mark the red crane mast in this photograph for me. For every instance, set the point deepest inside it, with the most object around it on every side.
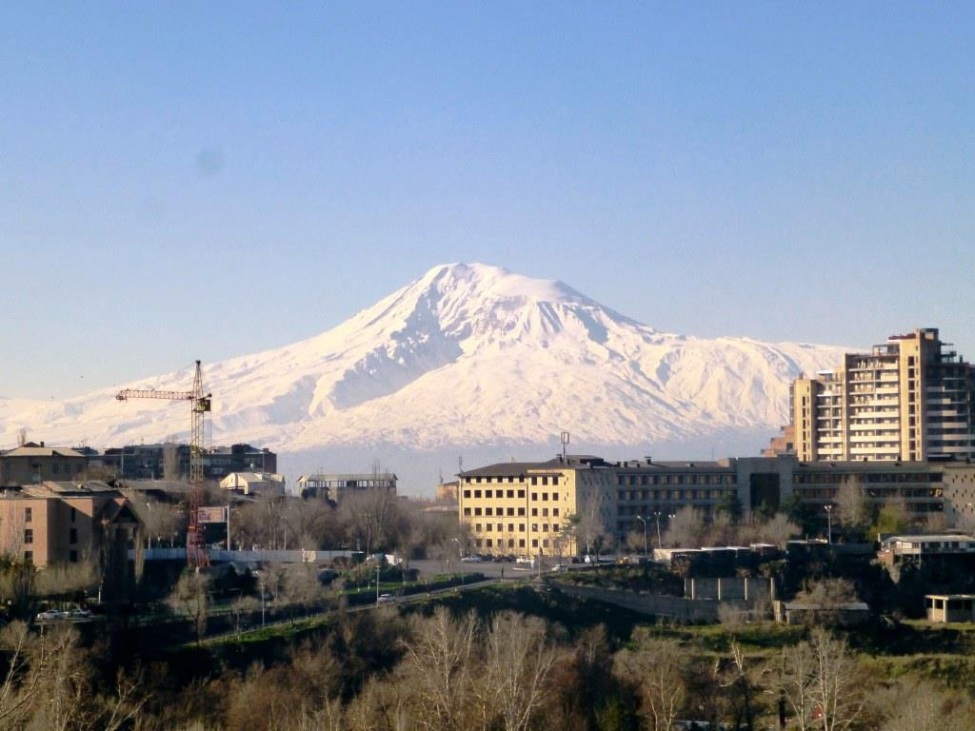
(196, 554)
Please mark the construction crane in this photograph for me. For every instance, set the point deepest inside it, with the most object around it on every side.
(196, 555)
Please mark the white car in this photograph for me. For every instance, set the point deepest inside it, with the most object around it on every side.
(471, 559)
(51, 614)
(385, 599)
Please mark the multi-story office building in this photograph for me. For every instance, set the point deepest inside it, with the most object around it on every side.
(172, 461)
(910, 399)
(557, 507)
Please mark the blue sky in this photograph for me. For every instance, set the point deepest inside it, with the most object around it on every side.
(204, 180)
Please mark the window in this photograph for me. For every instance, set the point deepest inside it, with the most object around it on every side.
(74, 514)
(477, 527)
(73, 556)
(467, 512)
(511, 511)
(29, 556)
(534, 512)
(511, 527)
(477, 511)
(28, 535)
(521, 511)
(487, 493)
(28, 514)
(521, 494)
(511, 493)
(555, 512)
(73, 535)
(488, 511)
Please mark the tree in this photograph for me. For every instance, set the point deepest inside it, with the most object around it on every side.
(826, 599)
(657, 668)
(440, 661)
(518, 664)
(821, 683)
(687, 529)
(852, 507)
(191, 596)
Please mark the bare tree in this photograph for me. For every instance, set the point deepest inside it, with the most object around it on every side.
(517, 669)
(191, 596)
(852, 506)
(440, 660)
(820, 681)
(657, 668)
(687, 529)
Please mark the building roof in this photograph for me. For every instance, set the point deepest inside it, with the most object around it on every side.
(35, 451)
(51, 489)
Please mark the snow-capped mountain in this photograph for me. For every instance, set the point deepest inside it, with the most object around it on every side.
(467, 354)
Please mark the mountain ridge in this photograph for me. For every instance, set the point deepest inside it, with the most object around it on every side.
(467, 353)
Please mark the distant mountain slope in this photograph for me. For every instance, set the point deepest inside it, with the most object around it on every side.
(467, 354)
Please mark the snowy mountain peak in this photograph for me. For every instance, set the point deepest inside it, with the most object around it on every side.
(466, 354)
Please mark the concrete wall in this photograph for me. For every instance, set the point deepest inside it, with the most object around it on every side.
(734, 589)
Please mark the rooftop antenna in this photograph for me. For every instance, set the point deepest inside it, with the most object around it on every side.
(564, 438)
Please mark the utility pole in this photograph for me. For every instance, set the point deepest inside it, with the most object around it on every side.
(829, 524)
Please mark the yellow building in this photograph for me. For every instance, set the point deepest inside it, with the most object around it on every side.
(910, 399)
(554, 508)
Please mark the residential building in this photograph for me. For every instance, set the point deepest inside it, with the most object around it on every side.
(335, 487)
(31, 464)
(64, 522)
(909, 399)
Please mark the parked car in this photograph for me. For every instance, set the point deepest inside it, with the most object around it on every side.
(470, 559)
(385, 599)
(50, 615)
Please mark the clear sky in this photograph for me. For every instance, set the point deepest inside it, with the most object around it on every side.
(183, 180)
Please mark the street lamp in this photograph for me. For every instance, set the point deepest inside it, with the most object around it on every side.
(657, 515)
(646, 549)
(829, 524)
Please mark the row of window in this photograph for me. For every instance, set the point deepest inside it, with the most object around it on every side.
(29, 535)
(534, 479)
(507, 543)
(72, 556)
(510, 511)
(632, 480)
(510, 494)
(658, 495)
(490, 527)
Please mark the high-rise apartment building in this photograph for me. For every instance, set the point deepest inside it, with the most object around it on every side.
(910, 399)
